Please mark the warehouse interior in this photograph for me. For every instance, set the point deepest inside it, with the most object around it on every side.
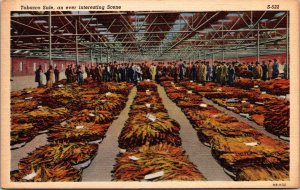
(150, 96)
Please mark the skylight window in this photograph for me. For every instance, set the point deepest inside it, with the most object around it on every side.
(264, 20)
(137, 16)
(17, 51)
(21, 14)
(101, 29)
(88, 19)
(137, 22)
(80, 12)
(279, 14)
(216, 25)
(251, 25)
(51, 27)
(40, 21)
(225, 20)
(235, 14)
(99, 24)
(25, 14)
(187, 14)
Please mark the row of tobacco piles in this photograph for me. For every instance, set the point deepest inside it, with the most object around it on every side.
(245, 153)
(252, 99)
(75, 119)
(150, 146)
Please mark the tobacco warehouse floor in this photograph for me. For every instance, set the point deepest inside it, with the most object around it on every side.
(149, 96)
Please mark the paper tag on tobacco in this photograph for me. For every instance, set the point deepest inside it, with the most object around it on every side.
(151, 117)
(64, 123)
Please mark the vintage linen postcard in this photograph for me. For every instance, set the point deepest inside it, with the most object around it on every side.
(149, 94)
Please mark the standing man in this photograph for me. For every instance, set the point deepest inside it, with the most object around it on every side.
(218, 73)
(123, 73)
(193, 72)
(139, 73)
(96, 73)
(87, 70)
(130, 73)
(74, 74)
(270, 70)
(153, 71)
(250, 70)
(50, 77)
(264, 71)
(67, 73)
(209, 71)
(214, 71)
(203, 72)
(285, 71)
(275, 69)
(56, 74)
(79, 73)
(198, 72)
(224, 72)
(181, 65)
(38, 77)
(231, 74)
(108, 73)
(257, 71)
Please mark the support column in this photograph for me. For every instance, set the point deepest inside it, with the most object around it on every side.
(223, 54)
(100, 54)
(287, 46)
(50, 39)
(195, 57)
(212, 57)
(106, 55)
(258, 50)
(91, 54)
(76, 41)
(236, 54)
(223, 42)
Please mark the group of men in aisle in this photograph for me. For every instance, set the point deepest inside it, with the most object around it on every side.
(199, 71)
(46, 78)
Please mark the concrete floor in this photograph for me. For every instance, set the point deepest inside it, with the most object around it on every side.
(18, 154)
(198, 153)
(102, 165)
(21, 82)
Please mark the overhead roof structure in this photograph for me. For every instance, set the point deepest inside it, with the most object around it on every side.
(87, 35)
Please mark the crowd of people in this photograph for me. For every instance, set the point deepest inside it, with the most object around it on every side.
(203, 71)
